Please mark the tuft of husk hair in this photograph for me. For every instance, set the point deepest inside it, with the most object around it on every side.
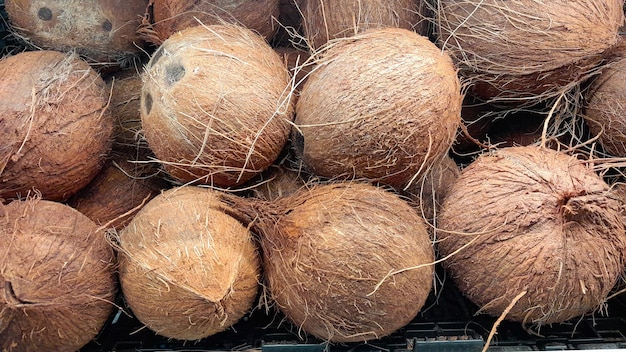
(187, 269)
(57, 277)
(525, 51)
(537, 220)
(335, 255)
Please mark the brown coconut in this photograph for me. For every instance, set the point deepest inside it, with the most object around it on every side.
(123, 186)
(605, 111)
(382, 105)
(216, 105)
(187, 270)
(527, 50)
(55, 127)
(334, 259)
(171, 16)
(57, 277)
(102, 31)
(533, 228)
(325, 20)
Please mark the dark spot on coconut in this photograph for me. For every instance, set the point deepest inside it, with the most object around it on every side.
(156, 56)
(44, 14)
(174, 73)
(107, 26)
(148, 102)
(12, 297)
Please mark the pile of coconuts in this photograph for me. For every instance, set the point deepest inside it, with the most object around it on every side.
(198, 162)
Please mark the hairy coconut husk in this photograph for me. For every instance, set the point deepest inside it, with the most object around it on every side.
(605, 110)
(55, 127)
(299, 64)
(337, 259)
(171, 16)
(527, 50)
(325, 20)
(102, 31)
(57, 277)
(216, 105)
(383, 105)
(119, 191)
(534, 222)
(187, 270)
(278, 182)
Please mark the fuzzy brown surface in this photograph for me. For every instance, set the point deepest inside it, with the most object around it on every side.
(57, 278)
(325, 20)
(527, 49)
(278, 182)
(103, 31)
(171, 16)
(55, 129)
(187, 270)
(216, 105)
(382, 105)
(536, 220)
(605, 111)
(326, 250)
(299, 64)
(125, 89)
(118, 191)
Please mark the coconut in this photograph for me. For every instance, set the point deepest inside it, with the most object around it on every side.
(57, 278)
(187, 270)
(119, 190)
(55, 127)
(383, 105)
(173, 16)
(104, 32)
(605, 111)
(535, 231)
(325, 20)
(526, 50)
(216, 105)
(344, 262)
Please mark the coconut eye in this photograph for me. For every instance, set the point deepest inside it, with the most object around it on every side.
(174, 73)
(107, 26)
(44, 14)
(148, 103)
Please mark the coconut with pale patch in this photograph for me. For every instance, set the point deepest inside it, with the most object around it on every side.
(524, 51)
(187, 270)
(171, 16)
(57, 277)
(345, 262)
(383, 105)
(102, 31)
(535, 231)
(325, 20)
(216, 105)
(55, 127)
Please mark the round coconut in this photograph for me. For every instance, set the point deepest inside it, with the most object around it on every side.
(344, 262)
(382, 105)
(57, 277)
(171, 16)
(534, 230)
(526, 50)
(55, 127)
(187, 270)
(119, 191)
(102, 31)
(605, 111)
(216, 105)
(325, 20)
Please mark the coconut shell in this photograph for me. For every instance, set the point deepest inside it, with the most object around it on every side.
(325, 20)
(525, 50)
(171, 16)
(330, 259)
(57, 277)
(534, 222)
(605, 111)
(119, 191)
(216, 105)
(382, 105)
(102, 31)
(187, 270)
(55, 127)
